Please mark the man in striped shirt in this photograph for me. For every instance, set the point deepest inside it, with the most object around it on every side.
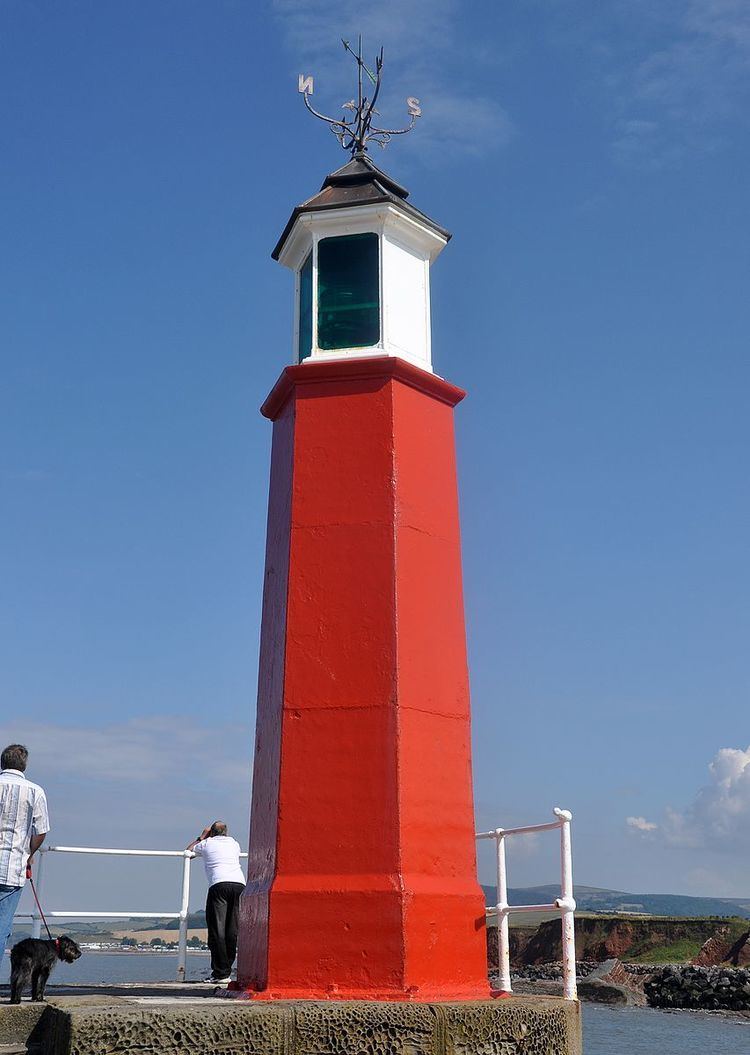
(23, 824)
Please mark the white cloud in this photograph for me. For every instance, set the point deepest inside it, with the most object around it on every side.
(316, 26)
(719, 815)
(421, 41)
(673, 74)
(716, 822)
(141, 783)
(146, 783)
(146, 751)
(686, 86)
(640, 824)
(722, 20)
(474, 125)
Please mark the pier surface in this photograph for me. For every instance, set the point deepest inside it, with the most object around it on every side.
(172, 1019)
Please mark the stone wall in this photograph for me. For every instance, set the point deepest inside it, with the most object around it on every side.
(101, 1026)
(551, 972)
(699, 988)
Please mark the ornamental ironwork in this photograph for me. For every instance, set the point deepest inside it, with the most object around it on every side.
(356, 131)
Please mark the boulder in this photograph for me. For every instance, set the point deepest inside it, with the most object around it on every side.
(610, 983)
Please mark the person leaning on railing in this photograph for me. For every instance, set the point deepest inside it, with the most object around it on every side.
(24, 822)
(221, 859)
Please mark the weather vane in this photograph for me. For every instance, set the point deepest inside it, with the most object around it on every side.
(357, 131)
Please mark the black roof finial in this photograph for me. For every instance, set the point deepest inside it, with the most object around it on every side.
(357, 131)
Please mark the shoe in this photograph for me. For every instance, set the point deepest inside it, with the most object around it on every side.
(220, 981)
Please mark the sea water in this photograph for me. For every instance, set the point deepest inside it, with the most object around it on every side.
(606, 1031)
(644, 1031)
(109, 968)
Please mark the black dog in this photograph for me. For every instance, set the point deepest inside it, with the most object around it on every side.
(32, 960)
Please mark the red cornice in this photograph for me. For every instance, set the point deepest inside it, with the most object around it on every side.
(377, 366)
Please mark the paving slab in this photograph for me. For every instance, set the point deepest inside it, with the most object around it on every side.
(193, 1023)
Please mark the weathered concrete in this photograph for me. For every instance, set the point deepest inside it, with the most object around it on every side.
(516, 1026)
(18, 1021)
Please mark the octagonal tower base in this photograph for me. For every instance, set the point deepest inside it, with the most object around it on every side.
(362, 879)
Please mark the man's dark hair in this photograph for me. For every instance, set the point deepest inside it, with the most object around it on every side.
(219, 828)
(15, 756)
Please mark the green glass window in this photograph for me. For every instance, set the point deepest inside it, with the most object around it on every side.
(304, 341)
(348, 292)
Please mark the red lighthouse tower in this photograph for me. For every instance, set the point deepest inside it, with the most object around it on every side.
(362, 870)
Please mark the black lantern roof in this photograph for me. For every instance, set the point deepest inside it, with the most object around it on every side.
(359, 182)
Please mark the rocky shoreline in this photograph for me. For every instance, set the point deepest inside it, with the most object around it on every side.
(698, 988)
(665, 986)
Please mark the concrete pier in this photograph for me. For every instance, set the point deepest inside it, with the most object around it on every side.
(172, 1020)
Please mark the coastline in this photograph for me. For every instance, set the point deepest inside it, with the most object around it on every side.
(135, 952)
(524, 987)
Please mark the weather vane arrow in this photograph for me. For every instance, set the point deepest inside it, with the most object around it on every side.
(355, 132)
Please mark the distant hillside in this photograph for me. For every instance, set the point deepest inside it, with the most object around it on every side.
(594, 899)
(633, 939)
(195, 921)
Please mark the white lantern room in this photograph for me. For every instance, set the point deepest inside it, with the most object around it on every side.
(361, 257)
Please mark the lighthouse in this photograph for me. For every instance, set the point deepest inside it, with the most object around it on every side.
(362, 867)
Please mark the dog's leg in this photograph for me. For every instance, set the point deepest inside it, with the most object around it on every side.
(22, 979)
(43, 976)
(36, 976)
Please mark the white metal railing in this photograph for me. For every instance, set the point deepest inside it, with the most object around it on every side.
(182, 915)
(565, 904)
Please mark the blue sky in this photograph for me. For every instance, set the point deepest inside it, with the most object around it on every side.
(591, 160)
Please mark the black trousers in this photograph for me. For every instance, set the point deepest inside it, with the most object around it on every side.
(222, 911)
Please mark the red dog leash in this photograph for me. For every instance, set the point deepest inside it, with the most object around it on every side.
(30, 878)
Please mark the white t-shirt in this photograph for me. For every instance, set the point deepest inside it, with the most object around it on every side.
(221, 859)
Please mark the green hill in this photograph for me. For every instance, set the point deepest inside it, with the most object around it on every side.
(195, 920)
(595, 899)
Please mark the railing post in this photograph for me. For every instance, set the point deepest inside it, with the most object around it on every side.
(36, 925)
(503, 942)
(182, 940)
(567, 906)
